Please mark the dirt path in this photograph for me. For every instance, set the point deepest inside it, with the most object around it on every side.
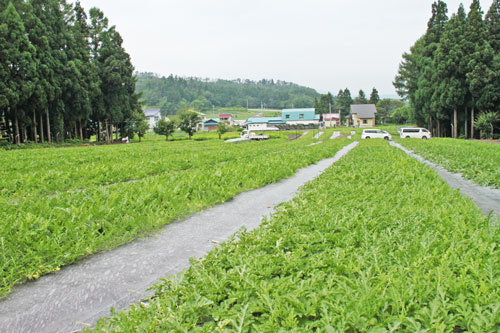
(486, 198)
(80, 294)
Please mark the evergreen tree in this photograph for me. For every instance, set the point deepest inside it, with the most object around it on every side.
(492, 21)
(374, 97)
(78, 72)
(478, 58)
(344, 101)
(361, 99)
(17, 67)
(414, 80)
(450, 88)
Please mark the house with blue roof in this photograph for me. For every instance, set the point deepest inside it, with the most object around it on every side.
(210, 124)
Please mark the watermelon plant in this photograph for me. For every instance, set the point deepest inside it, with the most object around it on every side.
(377, 243)
(69, 214)
(477, 161)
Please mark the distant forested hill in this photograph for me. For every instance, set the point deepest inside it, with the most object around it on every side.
(173, 93)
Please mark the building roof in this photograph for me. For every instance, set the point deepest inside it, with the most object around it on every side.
(211, 121)
(265, 120)
(331, 116)
(225, 115)
(364, 111)
(152, 112)
(294, 114)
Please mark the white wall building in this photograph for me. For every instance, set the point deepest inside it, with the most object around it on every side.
(153, 116)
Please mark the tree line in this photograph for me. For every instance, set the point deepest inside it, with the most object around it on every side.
(63, 74)
(174, 94)
(451, 75)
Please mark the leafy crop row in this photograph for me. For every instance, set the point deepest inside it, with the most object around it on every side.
(477, 161)
(48, 171)
(377, 243)
(41, 233)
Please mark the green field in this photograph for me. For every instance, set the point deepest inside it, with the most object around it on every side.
(365, 247)
(477, 161)
(59, 205)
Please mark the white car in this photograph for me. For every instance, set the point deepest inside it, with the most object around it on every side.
(413, 132)
(375, 134)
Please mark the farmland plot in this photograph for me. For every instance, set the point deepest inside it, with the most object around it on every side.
(477, 161)
(378, 242)
(40, 233)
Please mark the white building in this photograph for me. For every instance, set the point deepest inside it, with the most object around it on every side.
(153, 116)
(331, 119)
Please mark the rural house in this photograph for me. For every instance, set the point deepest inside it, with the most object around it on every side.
(362, 115)
(227, 118)
(153, 116)
(210, 124)
(331, 119)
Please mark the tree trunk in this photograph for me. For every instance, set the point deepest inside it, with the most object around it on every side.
(116, 135)
(466, 125)
(48, 127)
(472, 123)
(439, 128)
(81, 132)
(35, 134)
(455, 123)
(99, 131)
(25, 134)
(42, 138)
(106, 130)
(16, 130)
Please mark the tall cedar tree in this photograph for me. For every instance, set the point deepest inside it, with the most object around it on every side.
(374, 97)
(449, 76)
(361, 99)
(483, 72)
(414, 78)
(492, 21)
(17, 67)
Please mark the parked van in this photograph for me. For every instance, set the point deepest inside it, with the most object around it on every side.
(375, 133)
(412, 132)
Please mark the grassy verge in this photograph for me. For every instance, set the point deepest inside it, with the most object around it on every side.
(477, 161)
(377, 243)
(39, 234)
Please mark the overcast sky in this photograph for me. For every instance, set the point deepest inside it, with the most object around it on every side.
(323, 44)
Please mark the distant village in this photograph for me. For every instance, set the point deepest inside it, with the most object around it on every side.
(361, 115)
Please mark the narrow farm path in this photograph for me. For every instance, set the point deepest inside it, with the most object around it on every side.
(78, 295)
(335, 135)
(486, 198)
(318, 135)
